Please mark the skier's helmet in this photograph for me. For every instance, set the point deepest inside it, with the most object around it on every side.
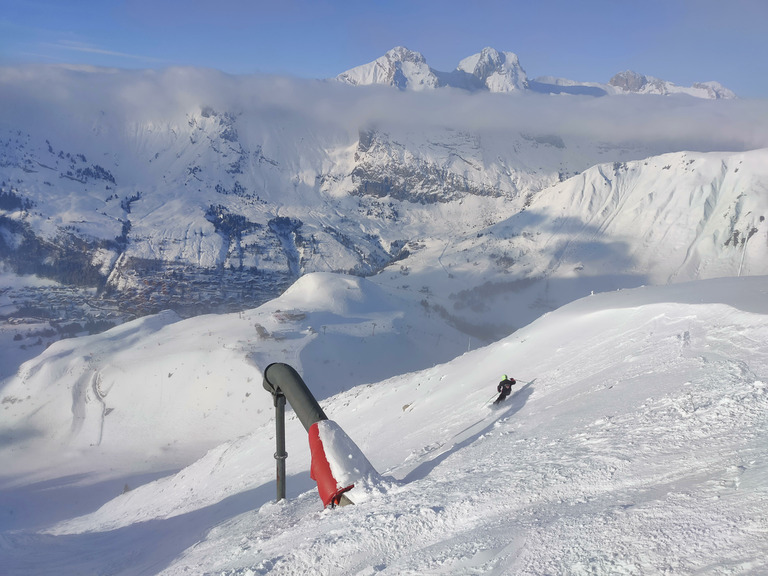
(505, 377)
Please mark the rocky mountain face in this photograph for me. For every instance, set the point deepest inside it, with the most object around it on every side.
(201, 208)
(205, 219)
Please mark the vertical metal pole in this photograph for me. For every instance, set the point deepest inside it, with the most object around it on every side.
(285, 385)
(280, 453)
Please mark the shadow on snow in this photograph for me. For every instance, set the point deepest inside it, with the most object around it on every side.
(139, 548)
(472, 432)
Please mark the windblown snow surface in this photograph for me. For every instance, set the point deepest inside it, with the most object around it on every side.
(635, 442)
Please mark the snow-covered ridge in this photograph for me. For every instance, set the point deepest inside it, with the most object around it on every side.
(639, 416)
(676, 215)
(405, 69)
(494, 71)
(670, 218)
(629, 81)
(399, 67)
(183, 386)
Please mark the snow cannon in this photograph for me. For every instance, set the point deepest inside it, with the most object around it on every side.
(281, 379)
(337, 463)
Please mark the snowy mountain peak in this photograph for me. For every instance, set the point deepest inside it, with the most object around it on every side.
(405, 69)
(714, 90)
(494, 71)
(403, 54)
(629, 81)
(400, 67)
(497, 71)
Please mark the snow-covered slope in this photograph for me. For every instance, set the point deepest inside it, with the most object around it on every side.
(635, 442)
(670, 218)
(160, 390)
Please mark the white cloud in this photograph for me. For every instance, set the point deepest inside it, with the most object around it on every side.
(64, 96)
(91, 49)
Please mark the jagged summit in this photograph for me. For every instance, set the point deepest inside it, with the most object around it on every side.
(630, 81)
(491, 70)
(400, 67)
(488, 70)
(497, 71)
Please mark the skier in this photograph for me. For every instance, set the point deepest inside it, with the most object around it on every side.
(504, 388)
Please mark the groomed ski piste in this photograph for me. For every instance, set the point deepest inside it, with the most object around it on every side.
(635, 442)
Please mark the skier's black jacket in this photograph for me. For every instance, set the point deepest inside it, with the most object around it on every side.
(506, 385)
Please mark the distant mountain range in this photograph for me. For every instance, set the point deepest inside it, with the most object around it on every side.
(494, 71)
(200, 192)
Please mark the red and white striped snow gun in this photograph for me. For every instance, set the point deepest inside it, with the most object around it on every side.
(337, 463)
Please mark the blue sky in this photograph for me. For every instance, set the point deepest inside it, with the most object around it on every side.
(683, 41)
